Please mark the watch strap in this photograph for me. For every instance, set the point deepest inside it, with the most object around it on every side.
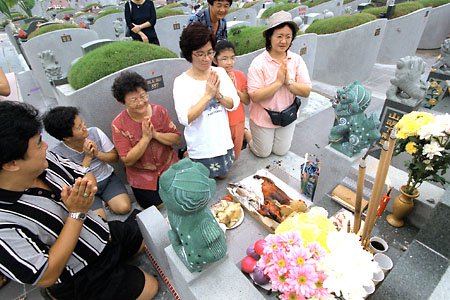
(78, 216)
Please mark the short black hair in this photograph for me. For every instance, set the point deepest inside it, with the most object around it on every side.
(193, 37)
(59, 121)
(269, 32)
(211, 2)
(127, 82)
(224, 45)
(19, 123)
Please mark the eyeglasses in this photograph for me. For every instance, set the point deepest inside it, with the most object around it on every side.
(282, 37)
(202, 55)
(226, 58)
(135, 100)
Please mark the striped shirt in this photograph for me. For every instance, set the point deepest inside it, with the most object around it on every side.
(31, 221)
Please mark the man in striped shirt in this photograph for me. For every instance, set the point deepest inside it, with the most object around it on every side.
(48, 235)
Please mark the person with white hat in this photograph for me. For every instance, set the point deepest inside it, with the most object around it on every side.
(275, 78)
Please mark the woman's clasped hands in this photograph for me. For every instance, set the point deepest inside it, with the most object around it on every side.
(212, 85)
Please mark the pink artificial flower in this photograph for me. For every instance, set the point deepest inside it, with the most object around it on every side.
(299, 256)
(321, 292)
(279, 262)
(292, 295)
(291, 238)
(273, 243)
(303, 279)
(317, 250)
(279, 281)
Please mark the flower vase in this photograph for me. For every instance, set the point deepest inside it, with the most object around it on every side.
(402, 207)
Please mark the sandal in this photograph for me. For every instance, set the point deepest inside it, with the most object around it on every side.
(3, 280)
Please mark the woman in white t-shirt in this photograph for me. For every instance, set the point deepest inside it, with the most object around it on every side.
(203, 94)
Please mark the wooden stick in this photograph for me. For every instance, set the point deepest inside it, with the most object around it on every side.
(359, 194)
(372, 205)
(385, 170)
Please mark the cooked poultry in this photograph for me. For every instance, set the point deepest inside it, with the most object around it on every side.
(269, 209)
(271, 192)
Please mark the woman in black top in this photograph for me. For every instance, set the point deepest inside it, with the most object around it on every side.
(140, 16)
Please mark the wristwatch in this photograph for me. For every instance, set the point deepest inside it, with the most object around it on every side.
(220, 97)
(290, 81)
(78, 216)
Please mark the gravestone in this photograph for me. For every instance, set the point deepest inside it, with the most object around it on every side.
(65, 45)
(105, 26)
(169, 31)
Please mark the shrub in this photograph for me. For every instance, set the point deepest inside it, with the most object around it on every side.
(339, 23)
(433, 3)
(107, 12)
(172, 5)
(276, 8)
(50, 28)
(89, 5)
(167, 12)
(247, 39)
(401, 9)
(111, 58)
(65, 9)
(233, 9)
(250, 4)
(310, 3)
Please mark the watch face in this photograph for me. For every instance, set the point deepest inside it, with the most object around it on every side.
(82, 216)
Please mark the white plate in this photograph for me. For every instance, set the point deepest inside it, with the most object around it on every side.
(239, 222)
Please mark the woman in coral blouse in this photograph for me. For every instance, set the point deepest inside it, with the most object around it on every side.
(143, 134)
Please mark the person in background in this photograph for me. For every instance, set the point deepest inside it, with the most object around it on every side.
(143, 134)
(5, 90)
(275, 77)
(213, 17)
(225, 58)
(89, 147)
(140, 16)
(203, 94)
(50, 237)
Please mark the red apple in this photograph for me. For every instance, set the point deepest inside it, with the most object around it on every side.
(259, 246)
(248, 264)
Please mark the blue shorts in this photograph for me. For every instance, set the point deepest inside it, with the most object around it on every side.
(108, 189)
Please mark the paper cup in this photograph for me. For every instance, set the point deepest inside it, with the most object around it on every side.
(377, 245)
(369, 290)
(378, 276)
(384, 262)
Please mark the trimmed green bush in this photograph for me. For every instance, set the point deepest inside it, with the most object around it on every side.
(107, 12)
(401, 9)
(310, 3)
(250, 4)
(276, 8)
(50, 28)
(339, 23)
(167, 12)
(247, 39)
(89, 5)
(433, 3)
(233, 9)
(65, 9)
(111, 58)
(348, 1)
(171, 5)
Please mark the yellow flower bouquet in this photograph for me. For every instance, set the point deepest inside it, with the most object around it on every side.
(425, 137)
